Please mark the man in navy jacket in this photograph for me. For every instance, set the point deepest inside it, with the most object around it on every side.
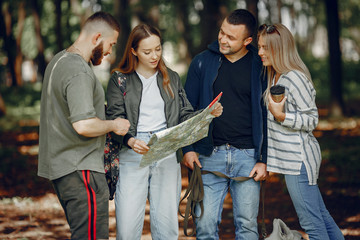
(237, 142)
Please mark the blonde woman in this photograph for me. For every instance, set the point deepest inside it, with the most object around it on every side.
(292, 148)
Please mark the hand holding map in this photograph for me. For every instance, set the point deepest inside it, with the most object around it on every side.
(170, 140)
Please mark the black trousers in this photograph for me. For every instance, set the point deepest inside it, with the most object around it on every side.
(84, 196)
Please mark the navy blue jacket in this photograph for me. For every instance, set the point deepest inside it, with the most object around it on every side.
(202, 73)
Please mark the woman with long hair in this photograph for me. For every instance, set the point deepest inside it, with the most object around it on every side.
(292, 148)
(150, 95)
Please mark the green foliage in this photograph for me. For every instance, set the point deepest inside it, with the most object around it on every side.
(22, 97)
(349, 18)
(319, 70)
(28, 41)
(166, 14)
(21, 104)
(343, 157)
(351, 80)
(47, 22)
(107, 6)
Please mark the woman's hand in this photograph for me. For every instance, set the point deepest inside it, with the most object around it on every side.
(139, 146)
(277, 109)
(217, 110)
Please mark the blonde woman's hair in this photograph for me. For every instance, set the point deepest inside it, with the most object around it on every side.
(283, 55)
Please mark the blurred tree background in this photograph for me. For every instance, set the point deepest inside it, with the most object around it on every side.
(327, 34)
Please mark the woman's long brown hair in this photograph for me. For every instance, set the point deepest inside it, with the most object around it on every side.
(129, 61)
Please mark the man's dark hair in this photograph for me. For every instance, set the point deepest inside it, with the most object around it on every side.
(242, 16)
(104, 17)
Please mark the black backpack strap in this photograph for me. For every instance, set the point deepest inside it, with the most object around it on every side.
(195, 195)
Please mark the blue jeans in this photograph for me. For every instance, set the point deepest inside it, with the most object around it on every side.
(313, 216)
(245, 195)
(160, 183)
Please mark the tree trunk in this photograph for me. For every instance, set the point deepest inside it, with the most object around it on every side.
(122, 11)
(59, 36)
(19, 55)
(146, 13)
(210, 23)
(336, 98)
(68, 39)
(2, 107)
(279, 6)
(251, 6)
(183, 27)
(9, 41)
(39, 40)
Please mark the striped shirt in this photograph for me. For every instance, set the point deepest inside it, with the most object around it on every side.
(291, 142)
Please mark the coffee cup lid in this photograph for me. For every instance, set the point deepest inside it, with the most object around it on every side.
(277, 89)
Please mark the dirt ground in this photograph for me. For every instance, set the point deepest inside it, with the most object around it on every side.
(41, 217)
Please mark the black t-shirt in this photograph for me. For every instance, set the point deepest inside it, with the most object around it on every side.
(234, 126)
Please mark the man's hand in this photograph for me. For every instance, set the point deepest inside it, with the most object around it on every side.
(94, 127)
(217, 110)
(190, 158)
(121, 126)
(260, 171)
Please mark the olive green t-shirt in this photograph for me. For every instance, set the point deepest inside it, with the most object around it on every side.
(70, 92)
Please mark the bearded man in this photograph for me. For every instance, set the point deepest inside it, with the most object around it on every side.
(73, 128)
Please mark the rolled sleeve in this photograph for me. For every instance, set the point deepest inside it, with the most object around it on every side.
(289, 120)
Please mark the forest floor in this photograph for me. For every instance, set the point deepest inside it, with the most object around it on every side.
(29, 209)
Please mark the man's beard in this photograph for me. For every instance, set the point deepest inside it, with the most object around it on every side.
(229, 50)
(97, 54)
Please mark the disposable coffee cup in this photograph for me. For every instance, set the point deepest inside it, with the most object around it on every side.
(277, 93)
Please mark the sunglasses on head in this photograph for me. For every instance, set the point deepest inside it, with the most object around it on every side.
(268, 28)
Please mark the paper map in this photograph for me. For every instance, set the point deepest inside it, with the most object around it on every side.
(168, 141)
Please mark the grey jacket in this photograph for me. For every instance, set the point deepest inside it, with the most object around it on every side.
(124, 97)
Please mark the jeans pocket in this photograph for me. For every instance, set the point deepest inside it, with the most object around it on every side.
(249, 152)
